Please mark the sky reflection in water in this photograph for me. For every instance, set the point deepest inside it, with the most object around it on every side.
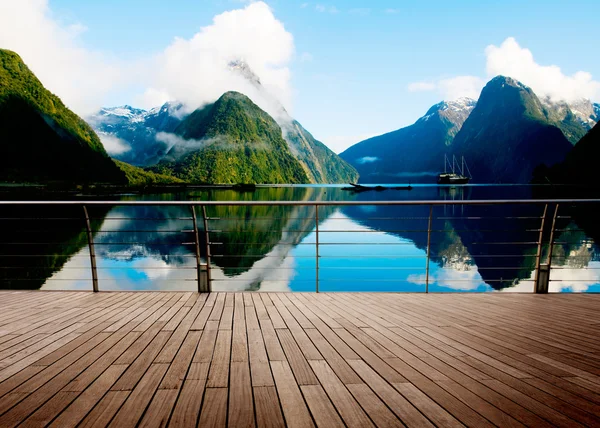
(354, 256)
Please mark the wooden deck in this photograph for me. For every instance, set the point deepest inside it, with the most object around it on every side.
(301, 360)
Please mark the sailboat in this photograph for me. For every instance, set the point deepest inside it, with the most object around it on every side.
(457, 176)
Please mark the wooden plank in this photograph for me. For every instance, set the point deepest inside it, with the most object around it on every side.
(349, 409)
(377, 411)
(214, 409)
(302, 371)
(180, 365)
(259, 361)
(294, 408)
(268, 410)
(135, 405)
(427, 406)
(241, 403)
(218, 376)
(105, 410)
(159, 410)
(206, 345)
(85, 402)
(320, 406)
(400, 405)
(188, 404)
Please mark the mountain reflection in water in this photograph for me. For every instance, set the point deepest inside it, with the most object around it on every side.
(361, 248)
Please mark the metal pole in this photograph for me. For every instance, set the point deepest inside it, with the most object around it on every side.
(317, 247)
(197, 246)
(207, 239)
(428, 249)
(552, 239)
(90, 238)
(539, 250)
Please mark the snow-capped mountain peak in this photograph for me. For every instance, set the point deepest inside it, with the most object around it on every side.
(241, 67)
(126, 112)
(586, 113)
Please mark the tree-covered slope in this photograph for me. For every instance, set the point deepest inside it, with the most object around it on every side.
(320, 163)
(579, 167)
(415, 152)
(41, 140)
(231, 141)
(136, 176)
(508, 134)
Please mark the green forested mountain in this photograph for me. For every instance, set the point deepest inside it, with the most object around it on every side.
(144, 132)
(231, 141)
(508, 134)
(415, 152)
(41, 139)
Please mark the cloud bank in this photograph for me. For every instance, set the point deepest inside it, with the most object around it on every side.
(197, 71)
(80, 77)
(510, 59)
(194, 71)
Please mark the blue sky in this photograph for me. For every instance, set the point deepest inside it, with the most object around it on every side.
(354, 61)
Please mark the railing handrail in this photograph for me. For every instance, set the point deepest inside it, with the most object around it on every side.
(307, 203)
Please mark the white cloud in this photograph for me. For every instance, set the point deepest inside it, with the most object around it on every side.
(465, 280)
(53, 51)
(113, 145)
(565, 278)
(461, 86)
(451, 88)
(196, 71)
(367, 159)
(392, 11)
(510, 59)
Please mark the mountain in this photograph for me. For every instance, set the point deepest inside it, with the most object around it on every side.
(416, 151)
(579, 167)
(139, 139)
(573, 119)
(320, 163)
(42, 140)
(135, 131)
(231, 141)
(508, 134)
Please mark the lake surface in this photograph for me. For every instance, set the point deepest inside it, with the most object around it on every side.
(361, 248)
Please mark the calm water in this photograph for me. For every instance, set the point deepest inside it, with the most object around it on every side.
(362, 248)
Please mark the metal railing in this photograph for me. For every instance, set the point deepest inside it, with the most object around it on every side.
(227, 234)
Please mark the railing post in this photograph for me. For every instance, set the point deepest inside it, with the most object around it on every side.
(428, 249)
(543, 284)
(317, 248)
(539, 250)
(551, 249)
(90, 238)
(197, 248)
(208, 255)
